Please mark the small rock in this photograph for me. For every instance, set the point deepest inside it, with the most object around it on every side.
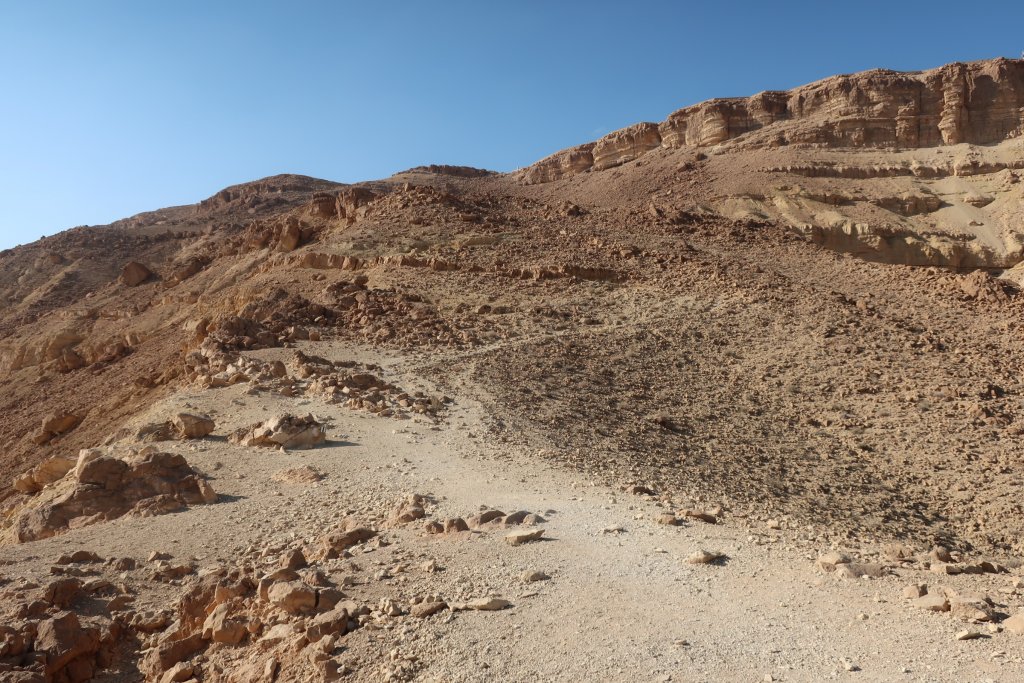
(488, 604)
(425, 609)
(915, 591)
(295, 559)
(704, 557)
(520, 537)
(455, 525)
(1015, 624)
(829, 561)
(933, 602)
(701, 516)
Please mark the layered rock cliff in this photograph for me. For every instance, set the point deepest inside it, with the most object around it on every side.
(979, 103)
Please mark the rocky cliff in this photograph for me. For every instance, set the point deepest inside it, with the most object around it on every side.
(979, 103)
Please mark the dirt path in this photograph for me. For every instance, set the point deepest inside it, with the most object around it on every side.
(621, 604)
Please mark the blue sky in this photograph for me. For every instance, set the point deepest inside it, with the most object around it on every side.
(112, 108)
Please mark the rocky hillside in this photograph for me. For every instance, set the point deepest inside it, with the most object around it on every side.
(917, 168)
(303, 430)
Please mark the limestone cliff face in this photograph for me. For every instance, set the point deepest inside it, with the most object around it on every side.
(979, 103)
(625, 145)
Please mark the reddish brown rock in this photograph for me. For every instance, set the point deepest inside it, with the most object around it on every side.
(134, 274)
(106, 488)
(63, 640)
(342, 539)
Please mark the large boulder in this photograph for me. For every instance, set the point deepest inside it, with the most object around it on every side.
(286, 431)
(63, 640)
(107, 487)
(191, 426)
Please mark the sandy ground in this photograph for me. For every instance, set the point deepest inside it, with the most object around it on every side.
(621, 604)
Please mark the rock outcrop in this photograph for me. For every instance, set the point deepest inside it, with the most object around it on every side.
(978, 102)
(286, 431)
(106, 487)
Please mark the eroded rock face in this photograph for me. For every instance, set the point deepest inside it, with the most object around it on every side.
(353, 202)
(979, 103)
(106, 488)
(564, 164)
(625, 145)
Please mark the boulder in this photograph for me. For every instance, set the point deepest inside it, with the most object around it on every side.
(830, 561)
(220, 628)
(294, 597)
(62, 592)
(423, 610)
(1015, 624)
(191, 426)
(344, 538)
(455, 525)
(63, 639)
(43, 474)
(331, 623)
(485, 517)
(61, 423)
(55, 425)
(408, 510)
(134, 274)
(181, 427)
(286, 431)
(106, 488)
(172, 651)
(933, 602)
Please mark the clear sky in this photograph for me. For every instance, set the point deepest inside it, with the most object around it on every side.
(112, 108)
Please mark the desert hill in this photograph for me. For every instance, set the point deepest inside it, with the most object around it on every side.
(917, 168)
(303, 430)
